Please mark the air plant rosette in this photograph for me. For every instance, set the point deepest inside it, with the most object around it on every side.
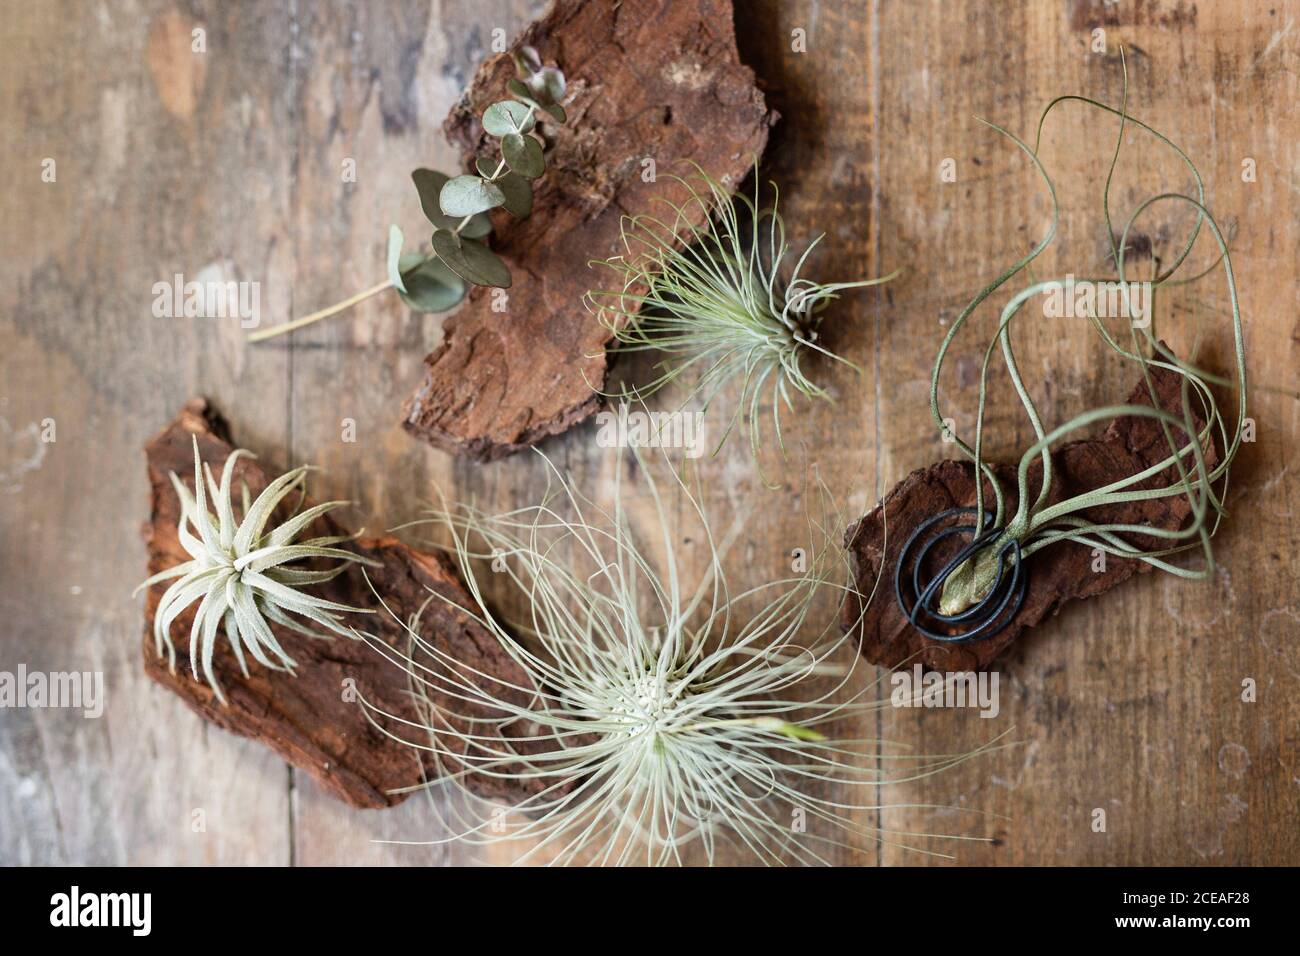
(974, 593)
(731, 305)
(663, 718)
(247, 571)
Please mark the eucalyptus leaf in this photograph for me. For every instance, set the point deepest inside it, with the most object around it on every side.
(524, 94)
(478, 227)
(527, 60)
(431, 286)
(547, 85)
(467, 195)
(395, 258)
(519, 194)
(508, 116)
(429, 183)
(523, 155)
(470, 259)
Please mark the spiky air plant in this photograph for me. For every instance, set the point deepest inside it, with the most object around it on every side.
(1037, 521)
(732, 306)
(245, 575)
(657, 713)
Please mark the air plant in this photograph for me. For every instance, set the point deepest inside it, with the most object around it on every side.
(457, 206)
(733, 304)
(656, 713)
(243, 574)
(1038, 522)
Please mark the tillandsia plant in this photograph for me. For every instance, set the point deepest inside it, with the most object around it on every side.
(244, 574)
(1202, 441)
(658, 713)
(457, 206)
(732, 304)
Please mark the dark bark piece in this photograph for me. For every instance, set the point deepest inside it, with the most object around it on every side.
(646, 79)
(1059, 573)
(308, 719)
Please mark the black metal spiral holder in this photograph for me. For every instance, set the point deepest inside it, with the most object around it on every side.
(919, 600)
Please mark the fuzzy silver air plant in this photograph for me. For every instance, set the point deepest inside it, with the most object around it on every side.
(733, 305)
(245, 575)
(657, 714)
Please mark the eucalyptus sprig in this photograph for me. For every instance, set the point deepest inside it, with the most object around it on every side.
(243, 574)
(731, 304)
(457, 206)
(658, 711)
(1037, 522)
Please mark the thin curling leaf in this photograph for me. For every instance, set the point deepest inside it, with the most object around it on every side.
(787, 729)
(523, 155)
(429, 183)
(241, 578)
(469, 195)
(645, 729)
(508, 116)
(471, 260)
(395, 259)
(1194, 433)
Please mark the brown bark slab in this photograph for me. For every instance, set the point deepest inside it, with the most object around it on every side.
(309, 719)
(646, 79)
(1058, 574)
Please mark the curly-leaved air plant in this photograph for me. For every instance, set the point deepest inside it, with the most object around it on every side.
(657, 714)
(1005, 541)
(457, 206)
(732, 303)
(242, 573)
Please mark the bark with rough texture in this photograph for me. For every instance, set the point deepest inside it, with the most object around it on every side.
(314, 720)
(1059, 573)
(646, 81)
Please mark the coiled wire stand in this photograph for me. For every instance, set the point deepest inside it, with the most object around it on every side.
(920, 600)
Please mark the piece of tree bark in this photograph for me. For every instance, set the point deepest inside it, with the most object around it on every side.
(1059, 573)
(313, 720)
(646, 80)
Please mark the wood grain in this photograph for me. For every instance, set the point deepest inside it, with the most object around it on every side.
(231, 166)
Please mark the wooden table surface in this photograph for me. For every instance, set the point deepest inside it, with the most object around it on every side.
(226, 164)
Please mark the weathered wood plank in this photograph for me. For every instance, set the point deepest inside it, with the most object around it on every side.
(167, 161)
(233, 164)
